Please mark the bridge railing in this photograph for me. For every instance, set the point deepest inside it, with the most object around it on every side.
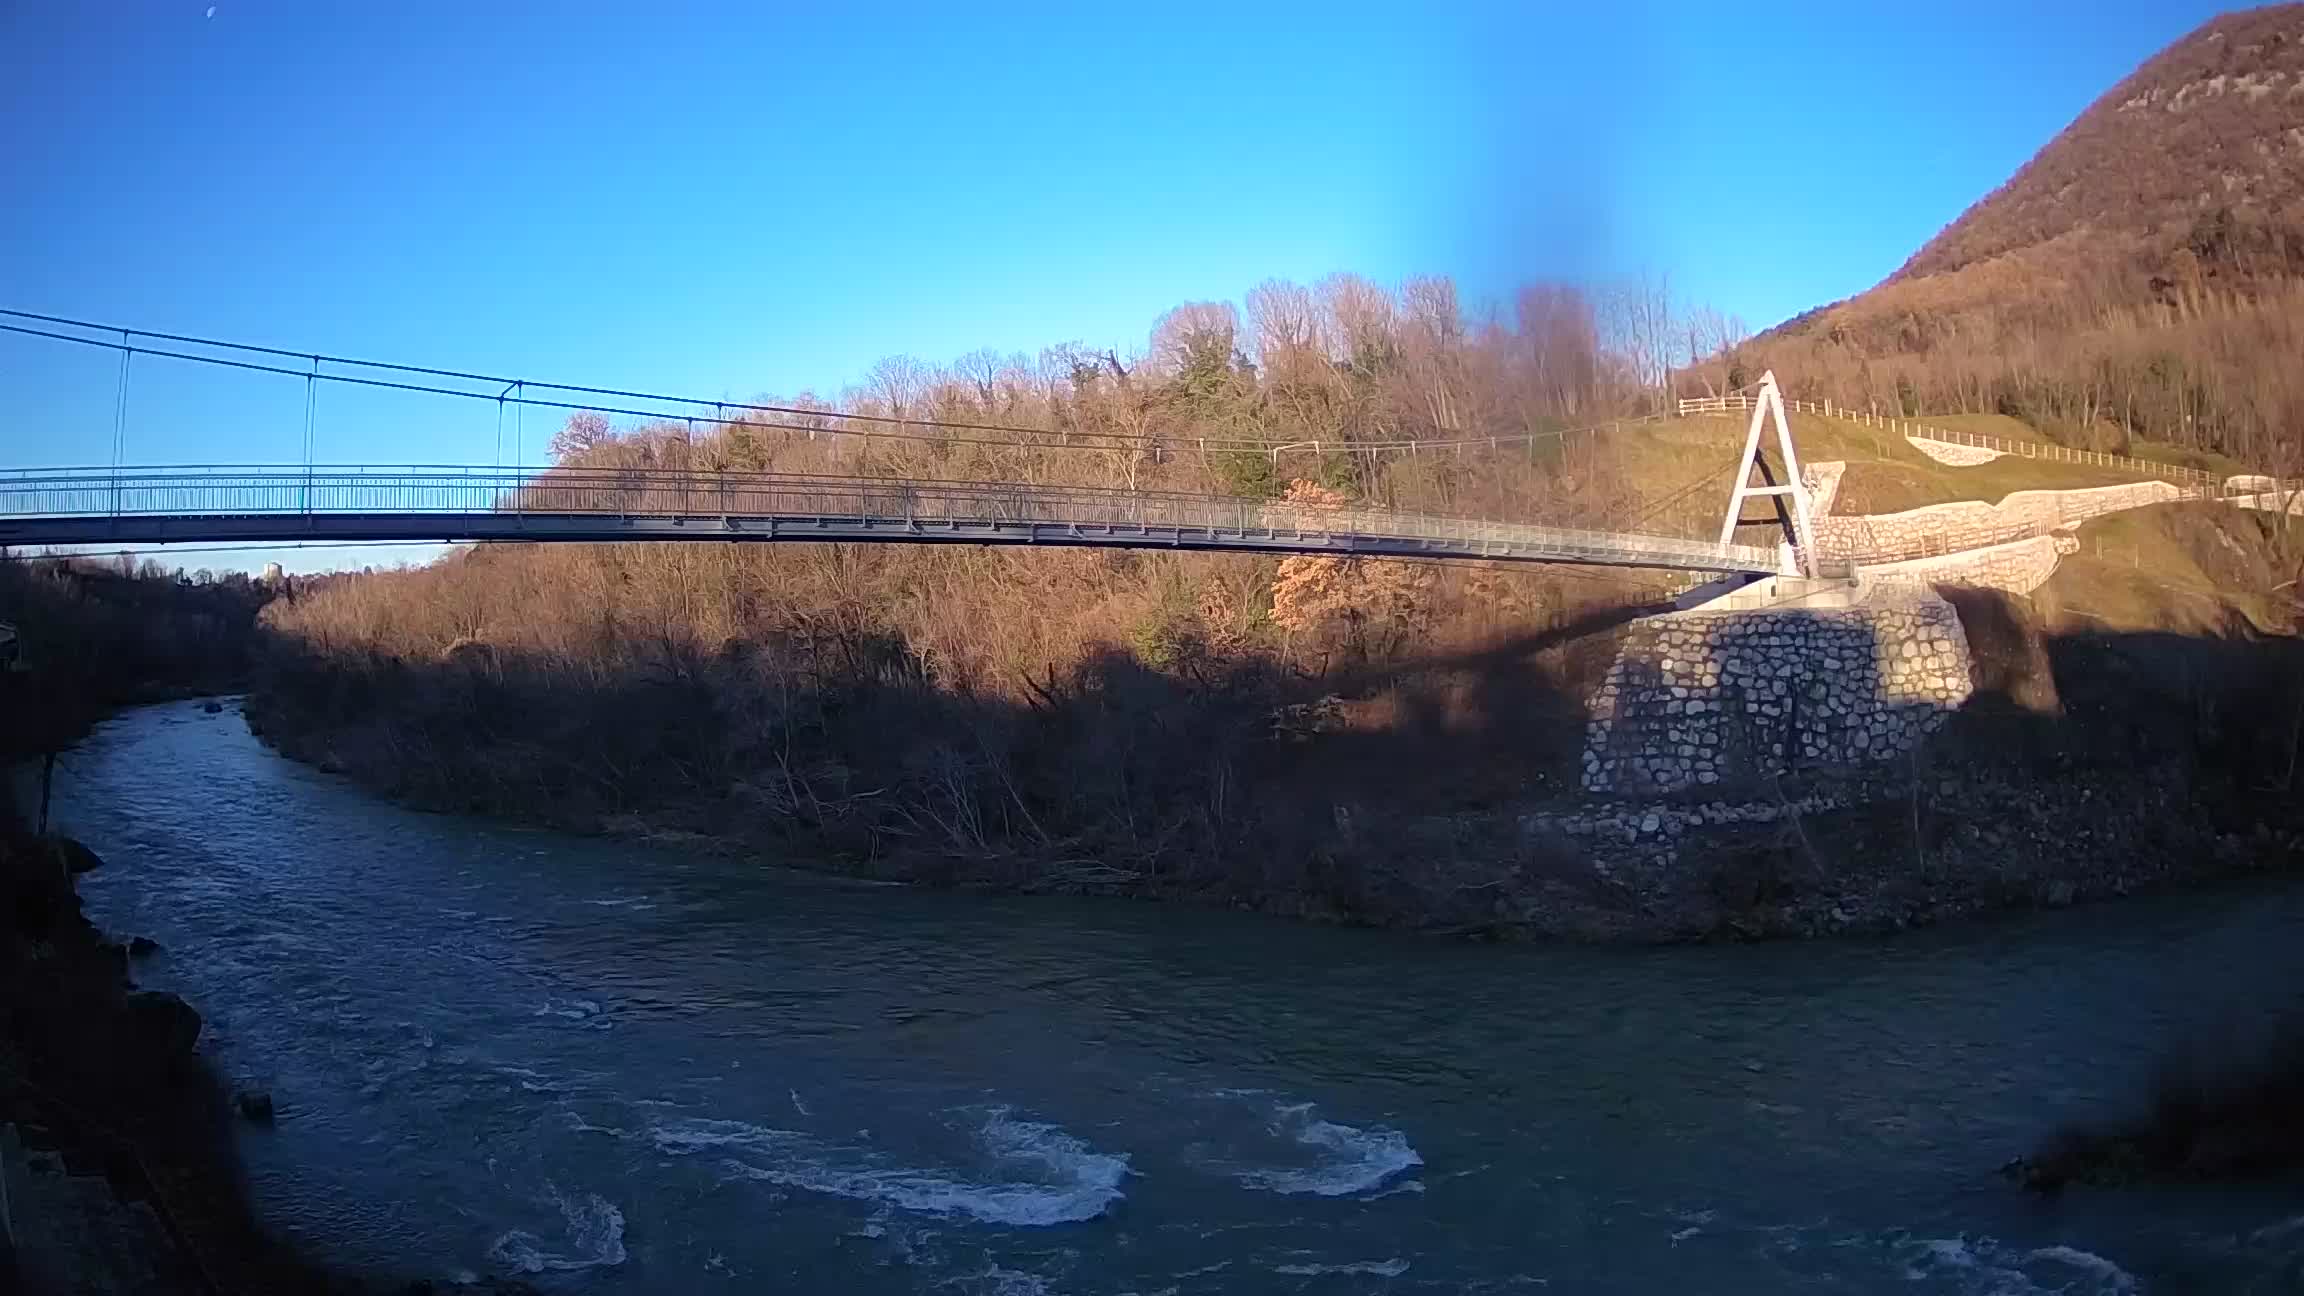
(224, 491)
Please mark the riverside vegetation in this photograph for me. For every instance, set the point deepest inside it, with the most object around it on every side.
(1345, 739)
(1058, 719)
(99, 634)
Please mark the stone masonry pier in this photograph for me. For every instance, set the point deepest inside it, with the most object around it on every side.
(1697, 699)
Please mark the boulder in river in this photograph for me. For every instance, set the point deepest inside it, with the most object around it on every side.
(76, 857)
(212, 708)
(167, 1022)
(255, 1105)
(139, 946)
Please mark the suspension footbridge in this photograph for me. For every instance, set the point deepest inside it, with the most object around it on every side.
(226, 504)
(124, 503)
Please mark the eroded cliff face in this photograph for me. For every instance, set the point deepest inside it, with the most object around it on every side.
(100, 1085)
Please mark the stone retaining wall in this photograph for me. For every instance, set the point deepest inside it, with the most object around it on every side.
(1823, 481)
(2018, 567)
(1974, 524)
(1697, 699)
(1954, 454)
(2290, 501)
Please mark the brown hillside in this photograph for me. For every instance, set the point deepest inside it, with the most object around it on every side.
(2142, 276)
(2211, 128)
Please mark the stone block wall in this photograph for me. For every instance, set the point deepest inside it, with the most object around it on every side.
(2275, 502)
(1973, 524)
(1953, 454)
(2018, 567)
(1823, 482)
(1700, 699)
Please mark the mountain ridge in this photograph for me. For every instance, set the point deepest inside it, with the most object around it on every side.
(2208, 102)
(2141, 275)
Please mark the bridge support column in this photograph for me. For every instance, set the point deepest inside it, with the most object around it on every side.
(1796, 522)
(1736, 699)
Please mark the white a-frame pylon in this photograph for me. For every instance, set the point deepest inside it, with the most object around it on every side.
(1768, 404)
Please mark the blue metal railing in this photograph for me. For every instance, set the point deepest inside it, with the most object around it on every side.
(196, 491)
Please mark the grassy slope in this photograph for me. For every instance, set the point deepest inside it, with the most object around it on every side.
(2189, 568)
(1885, 474)
(1997, 425)
(2012, 429)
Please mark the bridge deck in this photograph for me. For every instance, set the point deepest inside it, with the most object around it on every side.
(275, 505)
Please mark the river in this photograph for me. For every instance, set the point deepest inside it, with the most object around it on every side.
(625, 1069)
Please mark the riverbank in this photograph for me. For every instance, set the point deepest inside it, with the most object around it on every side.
(1446, 797)
(102, 1084)
(120, 1170)
(2220, 1116)
(2084, 768)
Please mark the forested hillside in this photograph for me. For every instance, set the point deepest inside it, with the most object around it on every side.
(1186, 722)
(95, 634)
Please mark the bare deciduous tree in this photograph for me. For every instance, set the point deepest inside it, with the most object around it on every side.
(899, 383)
(583, 430)
(1196, 333)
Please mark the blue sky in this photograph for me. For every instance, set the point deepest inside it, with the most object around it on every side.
(738, 199)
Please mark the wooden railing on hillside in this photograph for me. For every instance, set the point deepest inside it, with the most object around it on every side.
(2182, 476)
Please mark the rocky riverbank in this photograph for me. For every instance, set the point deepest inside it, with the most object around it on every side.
(1936, 760)
(2215, 1114)
(115, 1136)
(1878, 853)
(1825, 853)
